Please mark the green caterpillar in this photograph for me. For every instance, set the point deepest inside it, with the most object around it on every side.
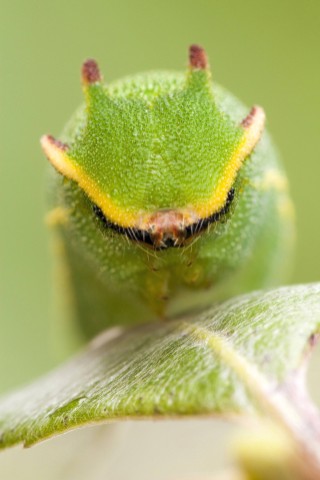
(168, 196)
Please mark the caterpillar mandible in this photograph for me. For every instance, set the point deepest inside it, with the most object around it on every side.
(168, 195)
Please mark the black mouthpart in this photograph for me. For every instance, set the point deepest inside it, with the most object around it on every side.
(143, 236)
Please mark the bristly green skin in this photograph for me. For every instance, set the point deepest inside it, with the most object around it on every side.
(153, 143)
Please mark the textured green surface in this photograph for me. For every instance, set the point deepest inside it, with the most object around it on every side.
(156, 141)
(231, 359)
(249, 248)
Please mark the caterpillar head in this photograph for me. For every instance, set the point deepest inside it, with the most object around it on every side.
(158, 159)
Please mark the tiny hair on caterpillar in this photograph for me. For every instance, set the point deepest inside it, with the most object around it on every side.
(168, 195)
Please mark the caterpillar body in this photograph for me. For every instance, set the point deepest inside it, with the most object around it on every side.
(168, 195)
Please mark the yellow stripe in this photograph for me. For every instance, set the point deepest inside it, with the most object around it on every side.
(126, 218)
(251, 137)
(272, 179)
(69, 169)
(57, 216)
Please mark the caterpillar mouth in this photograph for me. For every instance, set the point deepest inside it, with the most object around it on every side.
(167, 228)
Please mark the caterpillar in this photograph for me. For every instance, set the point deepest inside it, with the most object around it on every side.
(168, 195)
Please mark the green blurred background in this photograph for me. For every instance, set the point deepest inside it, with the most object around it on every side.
(265, 52)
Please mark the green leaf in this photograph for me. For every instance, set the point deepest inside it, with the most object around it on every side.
(240, 357)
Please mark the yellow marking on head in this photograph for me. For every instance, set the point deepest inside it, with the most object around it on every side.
(286, 208)
(272, 179)
(57, 216)
(253, 127)
(59, 158)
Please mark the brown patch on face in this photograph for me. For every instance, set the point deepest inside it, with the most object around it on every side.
(90, 72)
(198, 57)
(167, 227)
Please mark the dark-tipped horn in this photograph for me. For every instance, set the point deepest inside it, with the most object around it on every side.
(253, 126)
(256, 114)
(47, 140)
(90, 72)
(198, 57)
(57, 154)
